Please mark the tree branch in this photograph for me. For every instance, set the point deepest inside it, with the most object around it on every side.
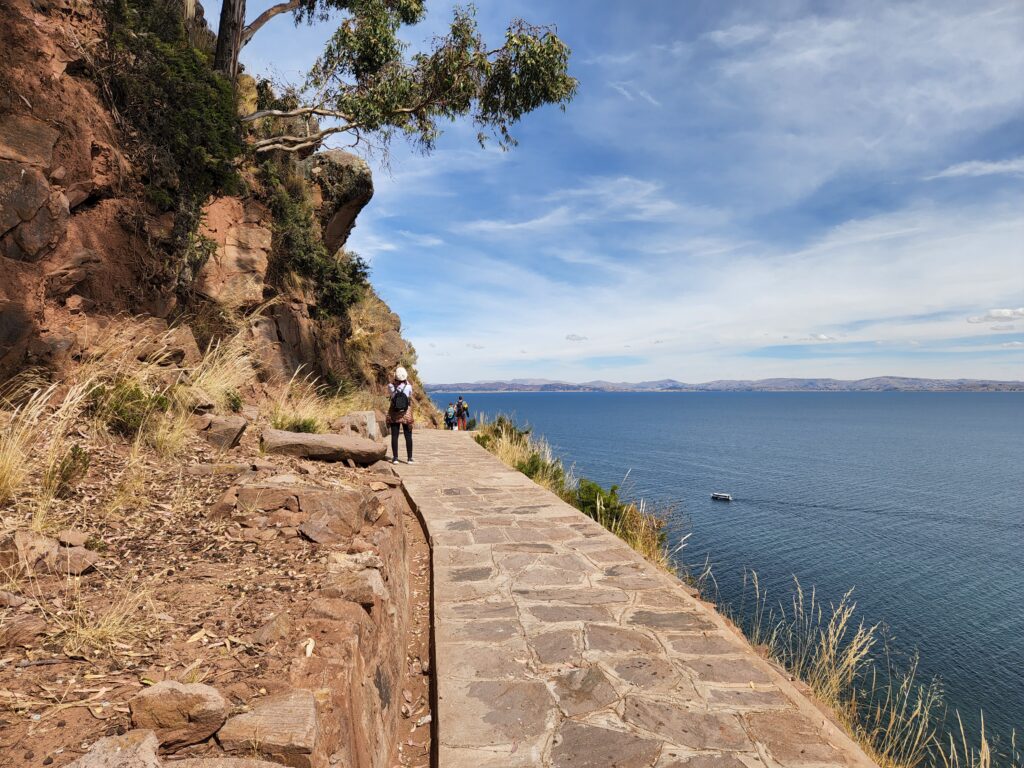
(267, 15)
(296, 143)
(299, 112)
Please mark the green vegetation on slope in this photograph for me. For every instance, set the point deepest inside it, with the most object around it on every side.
(339, 281)
(181, 113)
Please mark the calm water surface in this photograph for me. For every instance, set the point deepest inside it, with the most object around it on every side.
(914, 499)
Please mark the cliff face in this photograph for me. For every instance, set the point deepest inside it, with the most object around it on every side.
(82, 244)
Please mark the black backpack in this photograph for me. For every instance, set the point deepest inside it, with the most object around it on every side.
(400, 401)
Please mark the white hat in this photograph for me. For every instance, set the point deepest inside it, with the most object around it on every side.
(401, 374)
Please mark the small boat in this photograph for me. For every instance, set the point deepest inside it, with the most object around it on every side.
(721, 496)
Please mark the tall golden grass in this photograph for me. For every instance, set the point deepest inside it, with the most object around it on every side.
(897, 719)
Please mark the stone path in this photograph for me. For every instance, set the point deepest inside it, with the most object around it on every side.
(557, 645)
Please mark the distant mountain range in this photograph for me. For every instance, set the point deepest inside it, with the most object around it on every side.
(876, 384)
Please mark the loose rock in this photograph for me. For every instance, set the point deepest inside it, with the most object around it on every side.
(323, 447)
(179, 714)
(135, 749)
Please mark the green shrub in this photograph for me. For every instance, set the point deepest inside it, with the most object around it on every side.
(234, 400)
(125, 406)
(306, 424)
(63, 476)
(339, 280)
(180, 112)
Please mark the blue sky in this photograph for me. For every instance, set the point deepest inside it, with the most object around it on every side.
(740, 190)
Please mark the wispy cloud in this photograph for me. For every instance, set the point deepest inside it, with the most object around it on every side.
(575, 337)
(632, 92)
(426, 241)
(996, 315)
(1014, 167)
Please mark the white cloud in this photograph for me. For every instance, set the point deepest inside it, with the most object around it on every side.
(1013, 166)
(575, 337)
(1004, 327)
(553, 219)
(1013, 345)
(632, 91)
(997, 315)
(705, 319)
(426, 241)
(476, 346)
(737, 35)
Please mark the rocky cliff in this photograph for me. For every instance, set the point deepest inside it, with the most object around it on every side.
(96, 226)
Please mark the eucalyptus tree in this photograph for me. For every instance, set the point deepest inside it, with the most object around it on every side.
(366, 85)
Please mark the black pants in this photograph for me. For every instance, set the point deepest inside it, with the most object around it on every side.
(407, 428)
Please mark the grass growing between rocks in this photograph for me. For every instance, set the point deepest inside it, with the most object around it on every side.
(632, 521)
(899, 720)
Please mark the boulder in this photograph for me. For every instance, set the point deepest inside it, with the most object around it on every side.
(179, 714)
(224, 432)
(33, 216)
(35, 551)
(364, 586)
(72, 272)
(25, 139)
(21, 631)
(224, 762)
(73, 561)
(10, 600)
(284, 727)
(323, 447)
(71, 537)
(135, 749)
(345, 185)
(274, 631)
(362, 423)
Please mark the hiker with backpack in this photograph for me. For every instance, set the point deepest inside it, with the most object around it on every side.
(449, 416)
(400, 413)
(462, 413)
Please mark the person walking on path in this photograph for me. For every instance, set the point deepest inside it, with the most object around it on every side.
(400, 413)
(462, 413)
(449, 417)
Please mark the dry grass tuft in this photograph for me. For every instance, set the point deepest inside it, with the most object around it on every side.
(19, 439)
(221, 375)
(898, 720)
(82, 630)
(301, 406)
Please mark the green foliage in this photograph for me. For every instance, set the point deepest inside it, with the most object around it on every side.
(306, 424)
(592, 497)
(364, 80)
(339, 280)
(234, 400)
(125, 406)
(63, 476)
(181, 113)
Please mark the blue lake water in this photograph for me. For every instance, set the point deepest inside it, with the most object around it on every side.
(916, 500)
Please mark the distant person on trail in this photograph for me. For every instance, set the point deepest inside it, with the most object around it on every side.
(449, 416)
(462, 413)
(400, 413)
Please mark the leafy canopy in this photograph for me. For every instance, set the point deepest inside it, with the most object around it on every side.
(364, 84)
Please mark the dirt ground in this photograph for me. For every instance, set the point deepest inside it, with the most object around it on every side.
(177, 595)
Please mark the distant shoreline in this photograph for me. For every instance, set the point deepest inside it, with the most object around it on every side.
(665, 386)
(431, 390)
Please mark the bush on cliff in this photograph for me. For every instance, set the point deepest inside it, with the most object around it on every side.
(339, 281)
(180, 112)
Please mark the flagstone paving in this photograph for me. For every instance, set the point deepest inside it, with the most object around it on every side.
(558, 646)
